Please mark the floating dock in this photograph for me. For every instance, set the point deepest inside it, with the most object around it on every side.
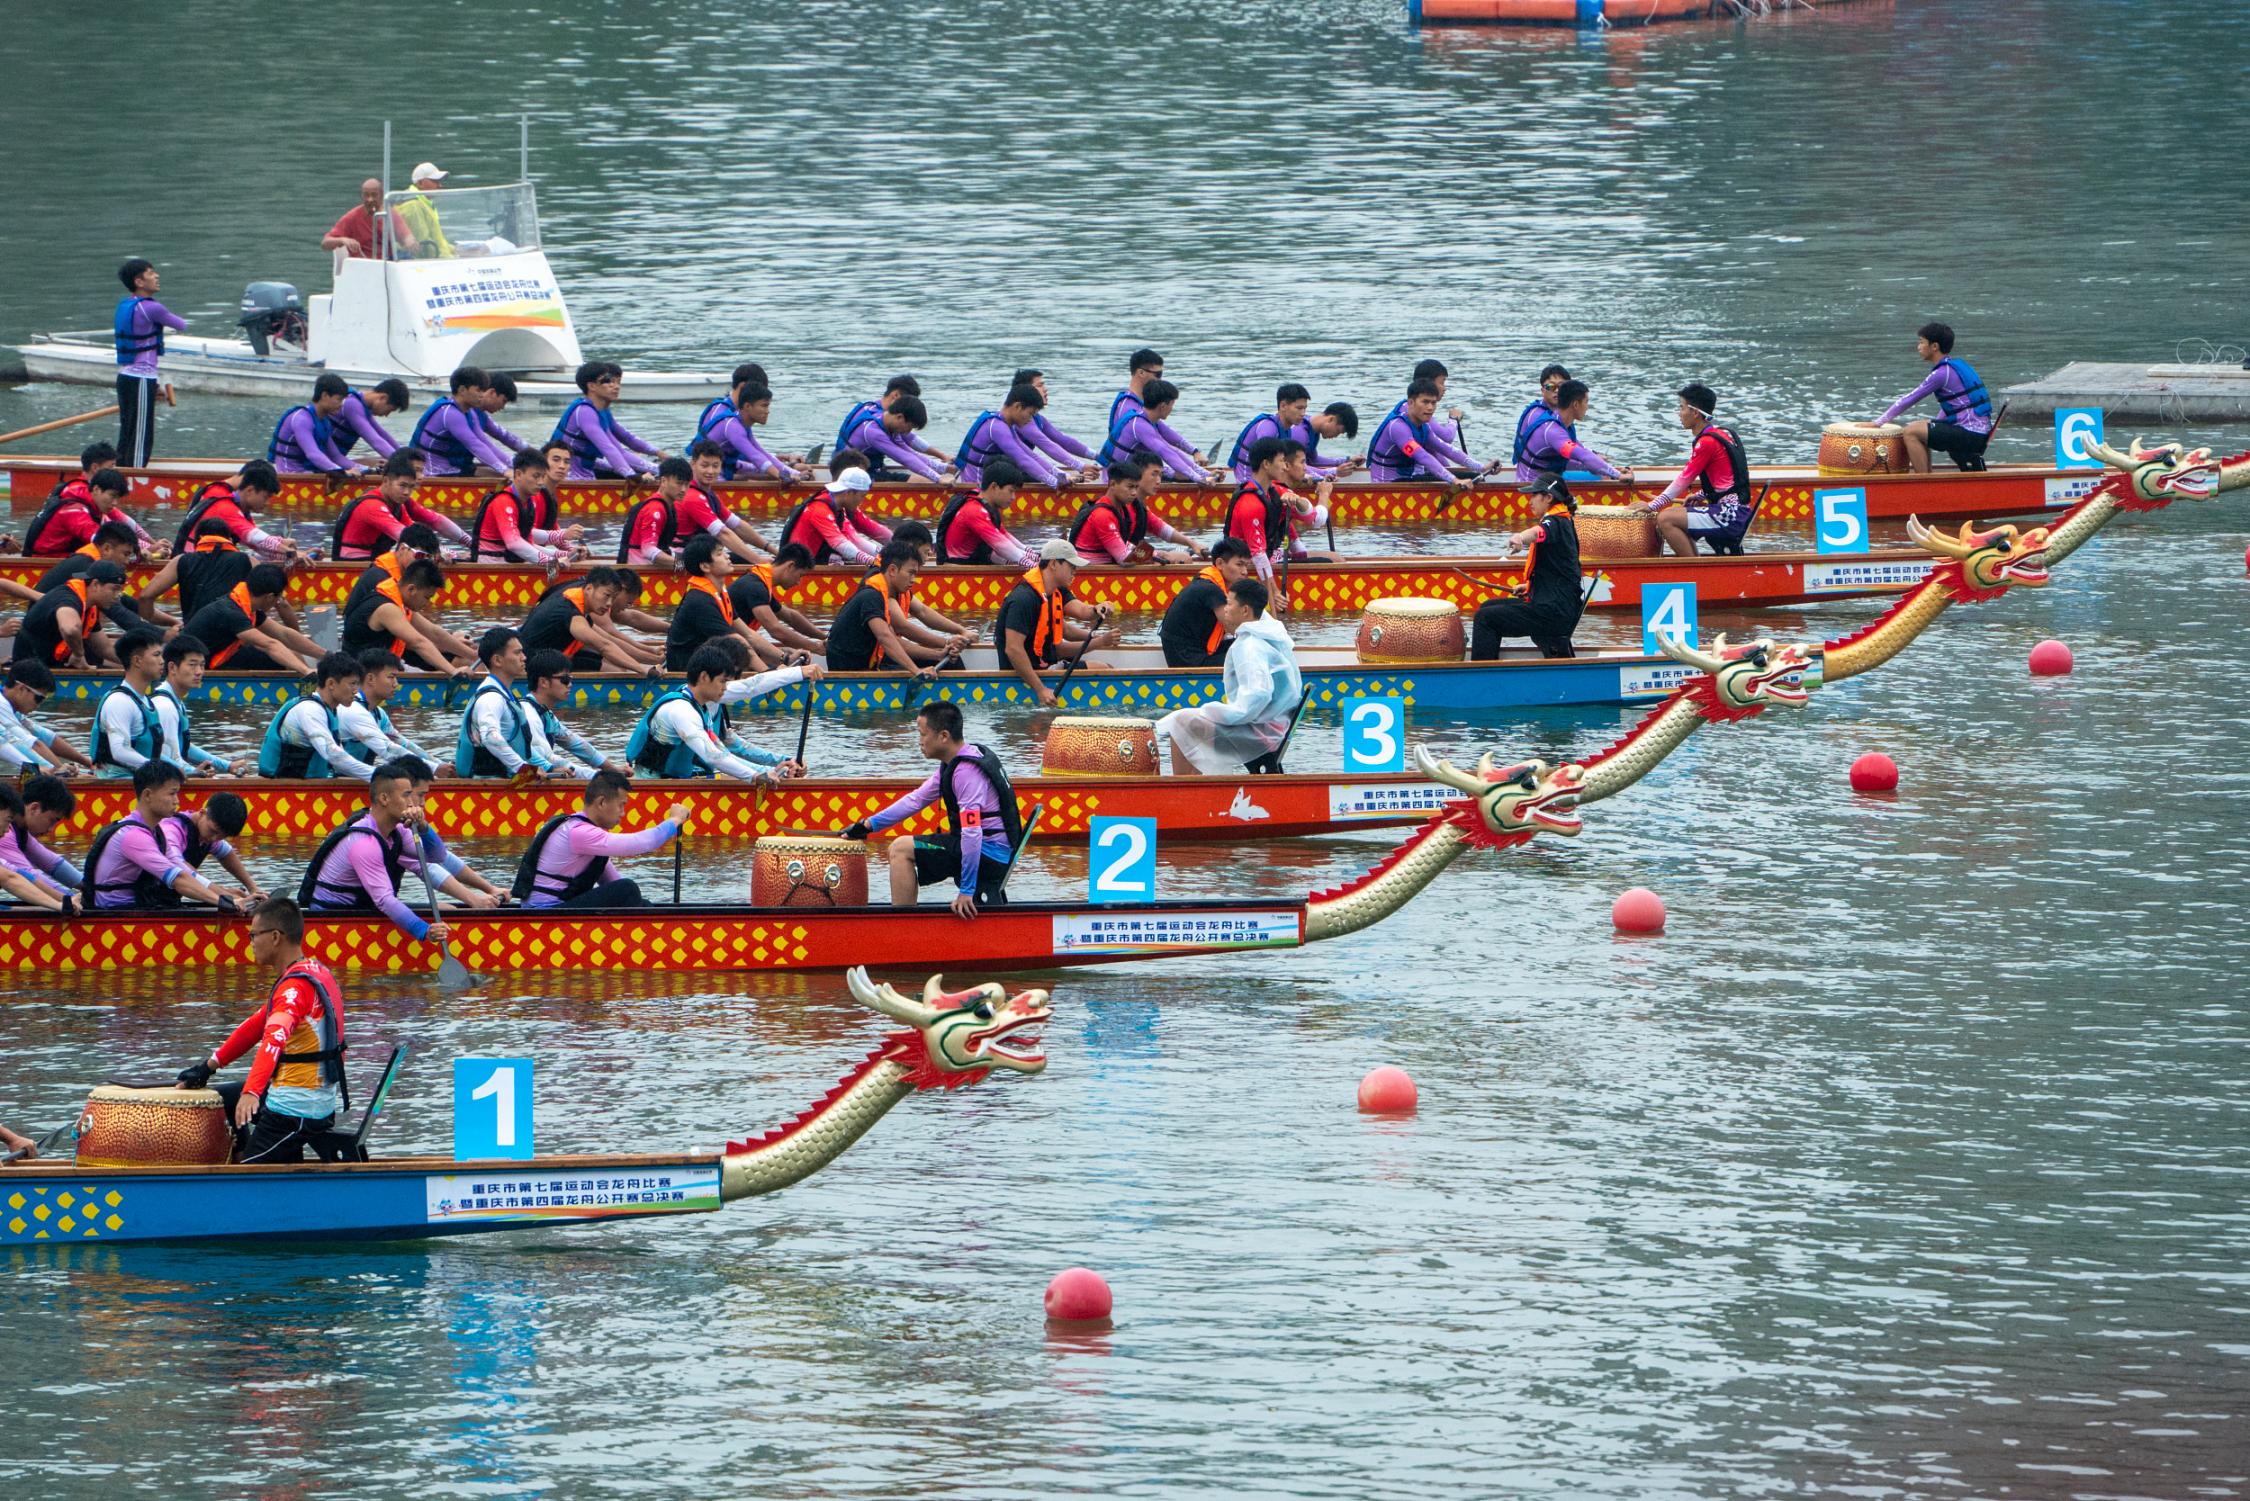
(2186, 395)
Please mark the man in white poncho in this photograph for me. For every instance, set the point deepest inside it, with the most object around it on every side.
(1263, 689)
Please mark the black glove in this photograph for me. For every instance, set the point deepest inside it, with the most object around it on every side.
(197, 1075)
(858, 830)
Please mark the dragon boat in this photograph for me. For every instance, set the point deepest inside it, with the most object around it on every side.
(2002, 490)
(1748, 580)
(949, 1041)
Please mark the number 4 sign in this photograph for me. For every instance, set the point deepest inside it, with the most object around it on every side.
(1667, 610)
(491, 1108)
(1374, 734)
(1123, 868)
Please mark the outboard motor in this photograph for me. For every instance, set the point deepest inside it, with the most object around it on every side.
(272, 312)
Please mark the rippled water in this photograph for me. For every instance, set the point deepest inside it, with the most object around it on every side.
(1909, 1162)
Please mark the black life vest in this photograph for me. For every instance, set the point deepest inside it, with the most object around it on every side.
(983, 759)
(331, 1060)
(1276, 522)
(1132, 519)
(982, 552)
(147, 890)
(200, 505)
(820, 550)
(62, 495)
(666, 535)
(344, 519)
(527, 869)
(1737, 460)
(311, 888)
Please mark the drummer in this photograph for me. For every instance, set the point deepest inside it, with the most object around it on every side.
(1244, 731)
(296, 1085)
(1552, 446)
(1548, 606)
(1963, 425)
(983, 825)
(572, 860)
(1718, 464)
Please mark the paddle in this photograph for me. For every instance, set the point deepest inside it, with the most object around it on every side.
(1101, 618)
(804, 721)
(679, 842)
(452, 973)
(46, 1143)
(48, 427)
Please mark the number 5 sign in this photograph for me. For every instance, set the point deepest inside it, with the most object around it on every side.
(1840, 520)
(491, 1108)
(2075, 428)
(1374, 734)
(1123, 868)
(1667, 610)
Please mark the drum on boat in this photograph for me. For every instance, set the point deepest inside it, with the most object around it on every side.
(122, 1126)
(1863, 448)
(1408, 628)
(1608, 534)
(1087, 745)
(805, 870)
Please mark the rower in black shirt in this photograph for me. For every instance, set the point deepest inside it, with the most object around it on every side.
(1548, 607)
(1191, 633)
(706, 609)
(865, 636)
(760, 594)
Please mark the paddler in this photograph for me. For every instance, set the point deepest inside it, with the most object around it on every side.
(1121, 523)
(233, 504)
(1405, 447)
(1552, 448)
(139, 326)
(420, 779)
(1548, 605)
(1192, 633)
(371, 521)
(684, 507)
(498, 397)
(495, 738)
(26, 745)
(687, 732)
(1067, 452)
(706, 609)
(1258, 516)
(742, 456)
(1035, 627)
(305, 737)
(516, 520)
(80, 507)
(16, 881)
(244, 631)
(569, 619)
(1447, 429)
(973, 528)
(204, 570)
(1288, 420)
(601, 447)
(388, 618)
(897, 389)
(1963, 425)
(1140, 433)
(1142, 366)
(704, 497)
(414, 544)
(748, 373)
(889, 433)
(1263, 688)
(16, 1147)
(1716, 463)
(1550, 383)
(832, 524)
(624, 614)
(367, 729)
(127, 731)
(983, 826)
(917, 621)
(361, 862)
(134, 865)
(1304, 510)
(871, 630)
(572, 860)
(47, 803)
(355, 421)
(555, 748)
(303, 441)
(760, 596)
(65, 628)
(184, 659)
(450, 434)
(1006, 435)
(112, 544)
(296, 1087)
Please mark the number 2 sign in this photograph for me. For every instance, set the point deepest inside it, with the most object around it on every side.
(1123, 867)
(491, 1108)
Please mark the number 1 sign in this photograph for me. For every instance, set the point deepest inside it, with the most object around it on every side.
(491, 1108)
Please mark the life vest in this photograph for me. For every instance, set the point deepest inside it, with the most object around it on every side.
(811, 539)
(1218, 631)
(39, 621)
(1397, 458)
(1525, 427)
(205, 501)
(342, 435)
(469, 753)
(239, 596)
(483, 536)
(336, 543)
(146, 890)
(711, 413)
(278, 758)
(148, 739)
(179, 712)
(1549, 462)
(1113, 445)
(852, 419)
(701, 584)
(1555, 587)
(1121, 399)
(973, 454)
(1972, 399)
(657, 756)
(982, 551)
(1132, 520)
(1048, 632)
(1239, 454)
(214, 566)
(667, 534)
(880, 586)
(983, 759)
(714, 417)
(360, 629)
(283, 445)
(130, 345)
(1274, 522)
(581, 447)
(310, 890)
(305, 1062)
(382, 719)
(1737, 460)
(529, 875)
(450, 451)
(72, 492)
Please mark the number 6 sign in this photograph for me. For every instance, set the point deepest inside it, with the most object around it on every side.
(1123, 868)
(2076, 427)
(491, 1108)
(1374, 734)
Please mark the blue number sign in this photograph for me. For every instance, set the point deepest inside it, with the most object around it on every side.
(2075, 427)
(1123, 867)
(1667, 610)
(491, 1108)
(1840, 520)
(1374, 734)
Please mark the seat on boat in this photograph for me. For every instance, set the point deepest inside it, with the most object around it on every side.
(349, 1143)
(1729, 543)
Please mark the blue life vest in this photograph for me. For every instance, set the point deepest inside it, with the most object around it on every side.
(711, 413)
(581, 447)
(1241, 450)
(470, 757)
(342, 436)
(1525, 427)
(1120, 399)
(376, 753)
(730, 458)
(284, 445)
(1972, 399)
(278, 758)
(179, 712)
(130, 345)
(853, 419)
(1397, 459)
(1110, 447)
(147, 739)
(971, 454)
(644, 750)
(1547, 463)
(452, 452)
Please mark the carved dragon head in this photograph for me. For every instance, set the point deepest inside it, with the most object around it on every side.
(1506, 805)
(1743, 680)
(2160, 475)
(959, 1036)
(1986, 563)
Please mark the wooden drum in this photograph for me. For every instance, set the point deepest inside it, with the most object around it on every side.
(1086, 745)
(1862, 448)
(808, 871)
(1610, 533)
(127, 1127)
(1408, 629)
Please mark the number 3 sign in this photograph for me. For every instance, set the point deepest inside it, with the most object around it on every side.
(1374, 734)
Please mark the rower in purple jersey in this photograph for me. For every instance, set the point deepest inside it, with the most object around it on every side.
(1550, 381)
(1553, 445)
(1141, 367)
(745, 374)
(742, 456)
(598, 442)
(450, 435)
(1067, 452)
(1403, 447)
(302, 442)
(354, 422)
(1142, 435)
(1005, 434)
(1445, 427)
(888, 433)
(496, 399)
(1288, 420)
(1965, 421)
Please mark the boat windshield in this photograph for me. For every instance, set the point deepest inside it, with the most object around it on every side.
(467, 222)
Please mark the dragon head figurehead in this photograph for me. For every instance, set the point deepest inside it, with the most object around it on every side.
(1984, 565)
(1506, 805)
(959, 1036)
(1740, 681)
(2158, 476)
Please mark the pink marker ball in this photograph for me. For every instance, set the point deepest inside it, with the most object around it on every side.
(1078, 1296)
(1874, 772)
(1388, 1091)
(1638, 910)
(2050, 659)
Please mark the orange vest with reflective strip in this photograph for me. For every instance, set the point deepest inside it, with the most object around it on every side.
(1049, 629)
(718, 595)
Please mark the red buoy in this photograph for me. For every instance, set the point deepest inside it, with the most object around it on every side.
(1078, 1296)
(1638, 910)
(1387, 1091)
(2050, 659)
(1874, 772)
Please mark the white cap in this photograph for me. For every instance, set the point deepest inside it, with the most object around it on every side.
(857, 481)
(425, 172)
(1059, 551)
